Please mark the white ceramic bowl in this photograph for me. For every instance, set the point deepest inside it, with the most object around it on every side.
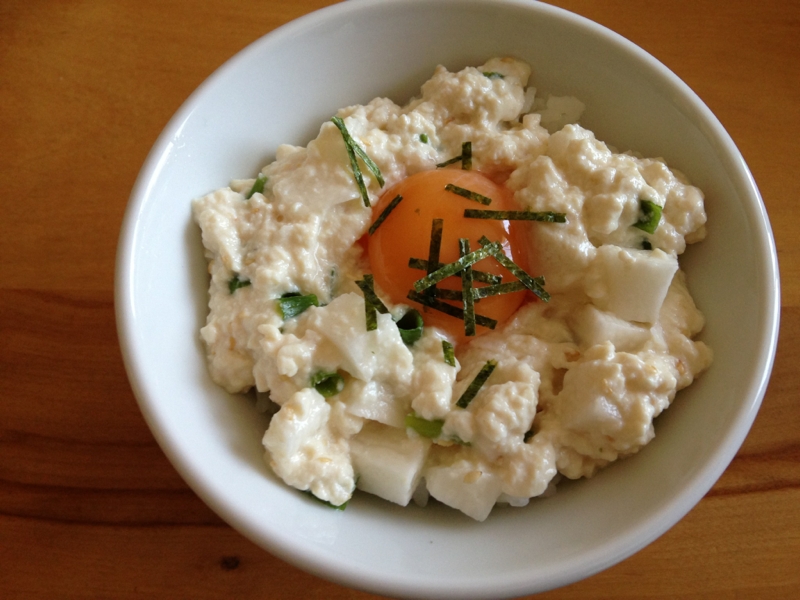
(280, 89)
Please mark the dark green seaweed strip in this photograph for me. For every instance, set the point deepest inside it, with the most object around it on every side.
(351, 154)
(421, 264)
(465, 158)
(258, 186)
(449, 309)
(466, 290)
(373, 168)
(469, 194)
(367, 286)
(382, 217)
(449, 354)
(534, 284)
(456, 267)
(437, 229)
(547, 216)
(496, 290)
(476, 384)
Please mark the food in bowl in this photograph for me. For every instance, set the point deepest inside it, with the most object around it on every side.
(466, 297)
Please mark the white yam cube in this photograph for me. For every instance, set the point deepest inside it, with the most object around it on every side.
(465, 486)
(593, 326)
(387, 462)
(371, 400)
(632, 283)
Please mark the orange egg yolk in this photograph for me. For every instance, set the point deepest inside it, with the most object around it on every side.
(406, 233)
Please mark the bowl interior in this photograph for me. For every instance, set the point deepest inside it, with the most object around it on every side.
(279, 90)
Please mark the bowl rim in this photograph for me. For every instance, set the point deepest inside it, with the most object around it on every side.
(339, 570)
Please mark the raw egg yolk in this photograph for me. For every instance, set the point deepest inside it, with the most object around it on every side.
(406, 233)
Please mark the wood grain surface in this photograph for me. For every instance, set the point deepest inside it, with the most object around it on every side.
(89, 505)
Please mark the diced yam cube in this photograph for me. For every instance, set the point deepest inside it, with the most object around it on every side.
(593, 326)
(633, 283)
(371, 400)
(465, 486)
(387, 462)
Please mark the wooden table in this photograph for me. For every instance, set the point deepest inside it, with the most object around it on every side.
(90, 507)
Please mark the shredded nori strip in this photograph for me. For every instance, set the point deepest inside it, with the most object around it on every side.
(293, 303)
(235, 283)
(258, 186)
(422, 265)
(476, 384)
(410, 326)
(382, 217)
(327, 384)
(354, 149)
(424, 427)
(455, 267)
(469, 194)
(466, 290)
(496, 290)
(372, 304)
(534, 284)
(437, 229)
(449, 309)
(546, 216)
(651, 216)
(449, 354)
(465, 158)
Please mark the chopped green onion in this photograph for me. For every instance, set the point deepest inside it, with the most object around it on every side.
(421, 264)
(455, 267)
(258, 186)
(534, 284)
(293, 303)
(449, 309)
(493, 75)
(449, 354)
(646, 245)
(235, 283)
(465, 158)
(410, 326)
(466, 290)
(424, 427)
(495, 290)
(423, 137)
(465, 193)
(476, 384)
(327, 384)
(341, 506)
(354, 149)
(528, 435)
(516, 215)
(382, 217)
(650, 216)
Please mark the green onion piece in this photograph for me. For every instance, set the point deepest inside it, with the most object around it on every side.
(466, 290)
(258, 186)
(516, 215)
(465, 158)
(476, 384)
(493, 75)
(424, 427)
(423, 137)
(449, 354)
(528, 435)
(650, 216)
(354, 149)
(410, 326)
(367, 286)
(327, 384)
(495, 290)
(470, 195)
(292, 304)
(421, 264)
(382, 217)
(534, 284)
(449, 309)
(646, 245)
(235, 283)
(455, 267)
(341, 506)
